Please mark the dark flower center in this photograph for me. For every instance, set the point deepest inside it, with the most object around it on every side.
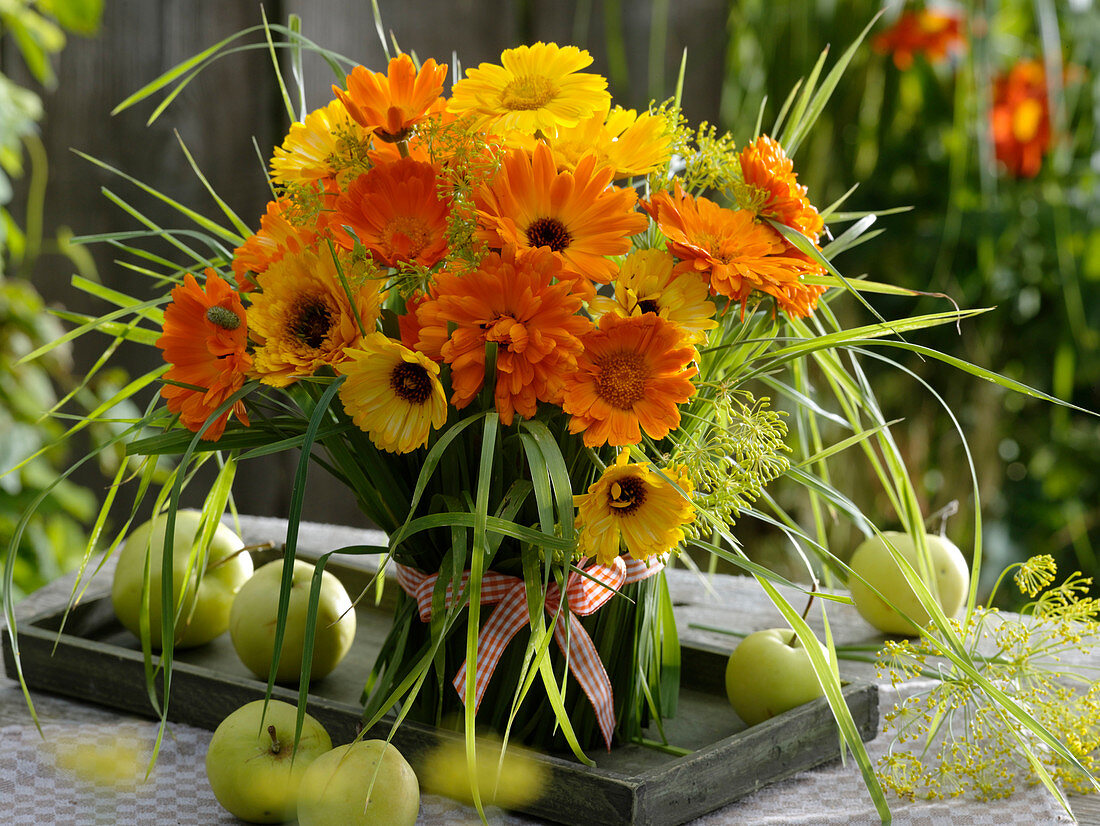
(313, 323)
(548, 232)
(411, 382)
(621, 381)
(627, 495)
(649, 305)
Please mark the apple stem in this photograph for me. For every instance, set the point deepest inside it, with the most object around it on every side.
(810, 601)
(944, 513)
(276, 746)
(259, 546)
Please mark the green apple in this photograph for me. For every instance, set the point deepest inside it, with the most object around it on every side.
(873, 562)
(253, 764)
(768, 673)
(254, 615)
(206, 603)
(334, 788)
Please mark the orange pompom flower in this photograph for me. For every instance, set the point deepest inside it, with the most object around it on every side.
(396, 213)
(276, 238)
(771, 188)
(632, 374)
(520, 303)
(632, 505)
(303, 318)
(734, 251)
(929, 32)
(392, 104)
(205, 340)
(576, 215)
(1021, 118)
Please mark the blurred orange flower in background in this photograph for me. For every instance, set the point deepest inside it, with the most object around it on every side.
(1021, 118)
(933, 33)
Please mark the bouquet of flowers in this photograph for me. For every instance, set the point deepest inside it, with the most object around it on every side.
(548, 343)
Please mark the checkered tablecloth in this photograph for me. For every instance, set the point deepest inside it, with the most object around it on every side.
(87, 767)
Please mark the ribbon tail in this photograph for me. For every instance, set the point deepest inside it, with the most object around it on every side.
(510, 615)
(587, 668)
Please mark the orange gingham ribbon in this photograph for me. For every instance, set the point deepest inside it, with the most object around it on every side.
(587, 593)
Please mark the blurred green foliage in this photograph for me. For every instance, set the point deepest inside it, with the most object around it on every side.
(55, 538)
(1029, 248)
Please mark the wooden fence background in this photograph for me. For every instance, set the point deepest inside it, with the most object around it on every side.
(236, 100)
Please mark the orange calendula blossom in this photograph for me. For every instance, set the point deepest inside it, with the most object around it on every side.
(521, 304)
(396, 213)
(205, 342)
(633, 505)
(537, 88)
(772, 189)
(392, 104)
(392, 393)
(276, 238)
(576, 215)
(1021, 118)
(631, 376)
(734, 251)
(929, 32)
(303, 318)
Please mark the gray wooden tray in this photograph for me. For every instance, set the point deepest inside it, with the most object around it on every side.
(96, 659)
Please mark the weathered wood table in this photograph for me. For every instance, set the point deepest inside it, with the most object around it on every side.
(39, 785)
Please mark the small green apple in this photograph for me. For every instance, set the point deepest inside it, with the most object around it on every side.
(873, 562)
(768, 673)
(253, 618)
(205, 612)
(253, 764)
(334, 788)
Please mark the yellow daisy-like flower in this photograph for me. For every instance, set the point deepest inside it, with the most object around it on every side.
(646, 283)
(538, 88)
(633, 505)
(325, 144)
(303, 319)
(629, 143)
(392, 393)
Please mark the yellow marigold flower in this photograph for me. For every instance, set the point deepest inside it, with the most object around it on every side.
(538, 88)
(621, 139)
(634, 505)
(322, 146)
(303, 319)
(392, 393)
(647, 284)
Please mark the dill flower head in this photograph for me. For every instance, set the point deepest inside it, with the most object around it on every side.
(205, 342)
(537, 88)
(392, 393)
(632, 505)
(303, 318)
(1035, 574)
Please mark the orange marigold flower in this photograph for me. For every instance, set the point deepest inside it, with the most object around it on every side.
(773, 190)
(276, 238)
(303, 318)
(396, 213)
(632, 374)
(392, 104)
(205, 340)
(927, 32)
(520, 303)
(576, 215)
(1021, 118)
(734, 251)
